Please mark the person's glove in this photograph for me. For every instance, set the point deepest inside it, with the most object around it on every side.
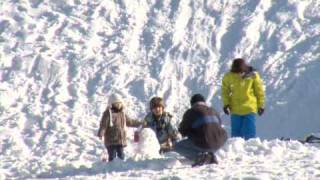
(260, 111)
(226, 109)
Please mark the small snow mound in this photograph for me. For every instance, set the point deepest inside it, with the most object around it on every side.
(148, 146)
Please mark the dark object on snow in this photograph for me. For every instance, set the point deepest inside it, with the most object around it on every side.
(197, 98)
(205, 158)
(289, 139)
(309, 139)
(312, 139)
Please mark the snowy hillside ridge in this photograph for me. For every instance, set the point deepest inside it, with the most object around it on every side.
(61, 59)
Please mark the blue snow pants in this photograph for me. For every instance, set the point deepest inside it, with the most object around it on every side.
(243, 126)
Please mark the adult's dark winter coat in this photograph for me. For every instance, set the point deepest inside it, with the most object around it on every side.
(201, 125)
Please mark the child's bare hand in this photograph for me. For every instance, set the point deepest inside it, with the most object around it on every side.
(100, 137)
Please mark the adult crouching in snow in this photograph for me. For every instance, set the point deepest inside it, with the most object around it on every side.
(160, 122)
(243, 97)
(201, 125)
(113, 127)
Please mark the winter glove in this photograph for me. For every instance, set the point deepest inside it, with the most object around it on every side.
(226, 109)
(260, 111)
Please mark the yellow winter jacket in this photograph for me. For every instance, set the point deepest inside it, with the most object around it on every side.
(243, 95)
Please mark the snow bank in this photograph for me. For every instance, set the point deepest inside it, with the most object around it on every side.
(239, 159)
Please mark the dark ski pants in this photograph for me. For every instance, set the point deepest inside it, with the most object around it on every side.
(243, 126)
(190, 151)
(115, 151)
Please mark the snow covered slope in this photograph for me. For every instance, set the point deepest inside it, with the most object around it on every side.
(59, 61)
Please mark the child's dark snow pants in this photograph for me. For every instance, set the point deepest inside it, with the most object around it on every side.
(115, 151)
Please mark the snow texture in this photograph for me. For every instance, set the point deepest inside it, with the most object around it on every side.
(60, 60)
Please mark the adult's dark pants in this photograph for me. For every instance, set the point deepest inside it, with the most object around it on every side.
(189, 150)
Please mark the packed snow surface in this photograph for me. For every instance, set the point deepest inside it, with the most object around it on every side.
(61, 59)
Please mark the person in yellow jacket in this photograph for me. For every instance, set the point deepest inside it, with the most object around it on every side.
(243, 97)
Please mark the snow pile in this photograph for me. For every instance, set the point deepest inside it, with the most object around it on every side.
(147, 148)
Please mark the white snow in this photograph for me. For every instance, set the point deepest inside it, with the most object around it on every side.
(147, 147)
(254, 159)
(60, 60)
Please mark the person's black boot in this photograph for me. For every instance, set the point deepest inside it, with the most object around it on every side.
(205, 158)
(200, 160)
(214, 159)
